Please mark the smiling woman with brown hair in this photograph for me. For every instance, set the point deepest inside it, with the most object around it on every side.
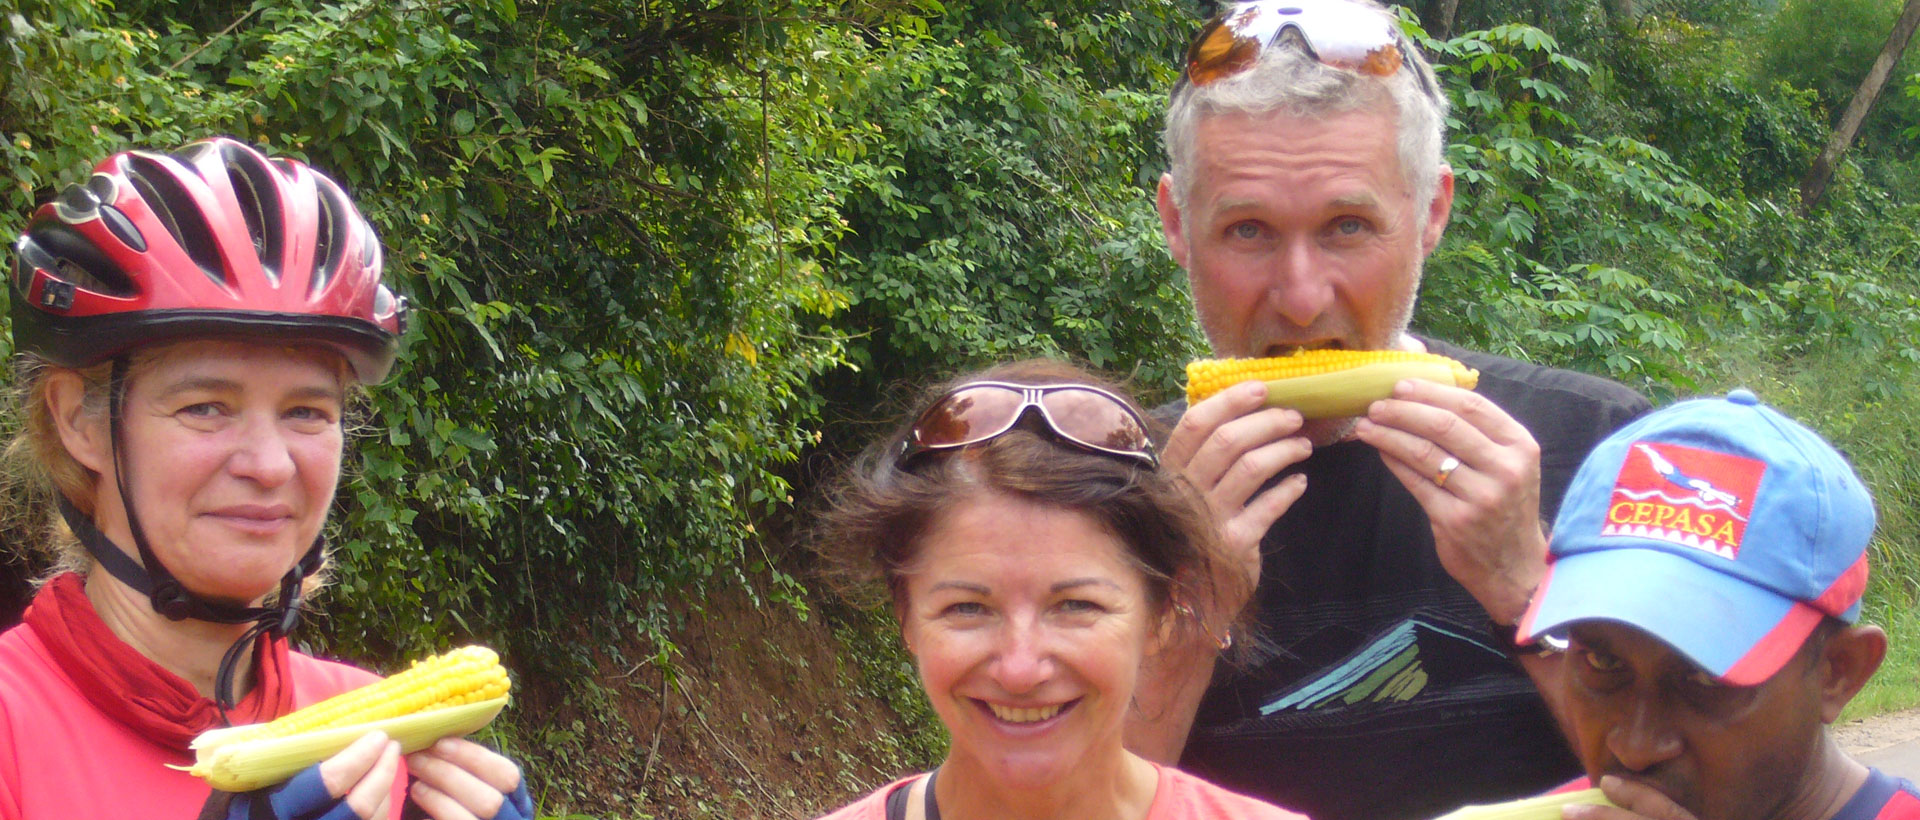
(1036, 557)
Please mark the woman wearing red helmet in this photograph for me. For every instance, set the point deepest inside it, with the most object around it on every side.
(189, 326)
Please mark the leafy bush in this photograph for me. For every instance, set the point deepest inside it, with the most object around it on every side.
(994, 192)
(1565, 247)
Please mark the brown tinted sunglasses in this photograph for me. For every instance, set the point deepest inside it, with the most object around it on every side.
(1080, 414)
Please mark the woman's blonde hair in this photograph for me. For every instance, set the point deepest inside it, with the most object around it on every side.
(36, 466)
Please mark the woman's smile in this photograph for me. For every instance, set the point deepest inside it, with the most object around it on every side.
(1027, 714)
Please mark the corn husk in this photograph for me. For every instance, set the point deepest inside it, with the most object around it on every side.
(1544, 807)
(244, 765)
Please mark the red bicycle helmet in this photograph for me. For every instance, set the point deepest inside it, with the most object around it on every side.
(214, 239)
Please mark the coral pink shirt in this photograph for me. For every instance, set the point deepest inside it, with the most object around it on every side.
(1179, 796)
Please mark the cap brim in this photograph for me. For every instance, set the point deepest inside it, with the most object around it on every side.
(1740, 633)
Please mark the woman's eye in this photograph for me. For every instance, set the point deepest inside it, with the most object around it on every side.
(310, 414)
(203, 410)
(964, 609)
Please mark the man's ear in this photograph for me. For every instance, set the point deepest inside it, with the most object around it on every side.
(1170, 224)
(1847, 661)
(84, 434)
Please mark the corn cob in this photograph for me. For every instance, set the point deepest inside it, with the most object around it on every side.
(443, 696)
(1327, 383)
(1544, 807)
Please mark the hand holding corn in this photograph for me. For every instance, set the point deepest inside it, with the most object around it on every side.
(1327, 383)
(443, 696)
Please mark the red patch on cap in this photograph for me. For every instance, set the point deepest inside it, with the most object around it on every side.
(1684, 495)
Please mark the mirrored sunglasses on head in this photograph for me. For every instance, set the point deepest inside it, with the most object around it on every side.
(1338, 33)
(1079, 414)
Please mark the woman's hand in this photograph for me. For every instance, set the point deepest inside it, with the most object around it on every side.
(356, 783)
(457, 779)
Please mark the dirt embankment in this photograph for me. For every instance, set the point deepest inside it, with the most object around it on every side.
(760, 715)
(1878, 732)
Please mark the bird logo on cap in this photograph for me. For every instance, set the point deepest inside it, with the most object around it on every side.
(1708, 493)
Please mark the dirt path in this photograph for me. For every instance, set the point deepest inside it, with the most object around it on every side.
(1878, 732)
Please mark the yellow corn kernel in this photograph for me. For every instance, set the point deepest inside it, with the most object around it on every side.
(1544, 807)
(1327, 383)
(446, 695)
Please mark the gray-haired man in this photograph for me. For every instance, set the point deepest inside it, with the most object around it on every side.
(1393, 552)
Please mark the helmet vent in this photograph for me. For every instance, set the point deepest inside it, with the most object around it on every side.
(176, 209)
(73, 274)
(122, 228)
(260, 210)
(65, 254)
(330, 246)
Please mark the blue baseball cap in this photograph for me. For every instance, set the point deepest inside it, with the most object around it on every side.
(1719, 526)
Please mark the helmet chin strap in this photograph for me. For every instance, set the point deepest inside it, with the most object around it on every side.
(164, 592)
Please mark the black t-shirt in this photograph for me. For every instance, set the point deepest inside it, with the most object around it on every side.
(1388, 698)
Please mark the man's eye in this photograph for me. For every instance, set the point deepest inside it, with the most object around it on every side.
(1245, 230)
(1350, 226)
(1077, 605)
(1600, 661)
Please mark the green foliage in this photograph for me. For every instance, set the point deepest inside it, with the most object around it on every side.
(1827, 45)
(1687, 87)
(1828, 48)
(1566, 247)
(993, 191)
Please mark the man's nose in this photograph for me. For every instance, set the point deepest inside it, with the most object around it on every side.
(1301, 288)
(1644, 737)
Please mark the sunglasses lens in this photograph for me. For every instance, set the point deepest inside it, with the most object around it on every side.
(1219, 53)
(967, 415)
(1095, 419)
(1336, 32)
(1347, 36)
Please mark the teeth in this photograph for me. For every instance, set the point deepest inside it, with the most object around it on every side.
(1012, 714)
